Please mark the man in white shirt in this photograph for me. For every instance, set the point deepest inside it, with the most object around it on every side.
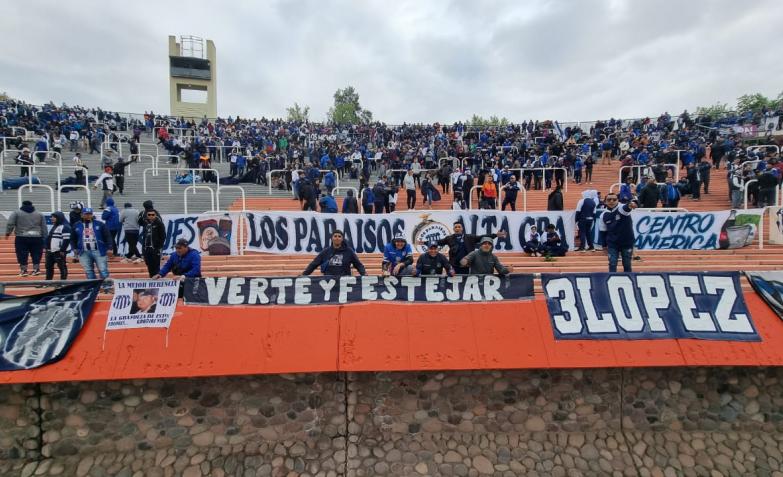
(410, 189)
(106, 183)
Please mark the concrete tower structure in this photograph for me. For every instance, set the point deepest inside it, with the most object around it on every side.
(192, 71)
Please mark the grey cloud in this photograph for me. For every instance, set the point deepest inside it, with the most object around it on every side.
(410, 61)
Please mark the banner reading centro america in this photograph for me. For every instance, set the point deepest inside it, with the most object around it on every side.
(341, 290)
(722, 229)
(648, 306)
(310, 232)
(39, 329)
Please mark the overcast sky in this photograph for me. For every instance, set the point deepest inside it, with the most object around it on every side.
(414, 61)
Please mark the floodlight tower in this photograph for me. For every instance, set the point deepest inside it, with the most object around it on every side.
(192, 70)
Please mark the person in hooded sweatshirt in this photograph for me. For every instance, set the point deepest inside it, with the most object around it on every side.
(350, 204)
(336, 259)
(29, 226)
(397, 257)
(130, 228)
(585, 217)
(90, 240)
(111, 217)
(57, 246)
(483, 261)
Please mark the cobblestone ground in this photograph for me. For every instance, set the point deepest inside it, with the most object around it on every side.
(625, 422)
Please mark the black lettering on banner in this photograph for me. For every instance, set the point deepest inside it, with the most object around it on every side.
(369, 234)
(349, 289)
(358, 245)
(648, 306)
(384, 233)
(281, 228)
(314, 243)
(300, 232)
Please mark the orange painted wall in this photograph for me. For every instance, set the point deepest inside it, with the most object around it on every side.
(213, 341)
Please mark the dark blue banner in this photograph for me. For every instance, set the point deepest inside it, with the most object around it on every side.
(38, 329)
(632, 306)
(769, 285)
(321, 290)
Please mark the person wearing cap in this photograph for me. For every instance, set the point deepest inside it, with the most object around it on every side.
(618, 237)
(461, 244)
(131, 230)
(184, 262)
(145, 300)
(336, 259)
(90, 241)
(24, 159)
(106, 182)
(553, 245)
(153, 232)
(433, 262)
(29, 226)
(397, 257)
(512, 189)
(483, 261)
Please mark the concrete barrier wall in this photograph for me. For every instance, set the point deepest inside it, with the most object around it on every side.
(621, 421)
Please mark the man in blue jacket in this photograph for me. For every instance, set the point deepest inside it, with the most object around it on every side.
(397, 257)
(90, 240)
(111, 217)
(185, 262)
(619, 237)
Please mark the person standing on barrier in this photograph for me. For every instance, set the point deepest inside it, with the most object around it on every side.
(617, 225)
(57, 246)
(154, 232)
(90, 240)
(336, 259)
(130, 228)
(29, 226)
(483, 261)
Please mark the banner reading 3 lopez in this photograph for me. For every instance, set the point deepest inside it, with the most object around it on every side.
(310, 232)
(648, 306)
(341, 290)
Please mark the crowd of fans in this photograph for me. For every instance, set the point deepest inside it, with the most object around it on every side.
(488, 165)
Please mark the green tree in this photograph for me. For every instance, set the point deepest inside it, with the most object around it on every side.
(717, 110)
(298, 113)
(478, 121)
(754, 102)
(347, 109)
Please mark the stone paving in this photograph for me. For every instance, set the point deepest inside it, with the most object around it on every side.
(624, 422)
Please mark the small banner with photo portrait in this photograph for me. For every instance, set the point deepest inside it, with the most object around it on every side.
(142, 304)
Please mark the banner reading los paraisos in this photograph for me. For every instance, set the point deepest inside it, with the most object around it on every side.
(723, 229)
(310, 232)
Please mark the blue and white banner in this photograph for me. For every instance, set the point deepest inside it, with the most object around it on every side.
(39, 329)
(342, 290)
(637, 306)
(310, 232)
(769, 285)
(724, 229)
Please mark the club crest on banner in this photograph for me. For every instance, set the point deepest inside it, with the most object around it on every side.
(427, 230)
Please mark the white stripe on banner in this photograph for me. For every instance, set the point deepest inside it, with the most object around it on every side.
(310, 232)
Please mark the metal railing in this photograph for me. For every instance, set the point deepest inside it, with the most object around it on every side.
(763, 146)
(522, 170)
(281, 174)
(232, 187)
(745, 192)
(39, 186)
(196, 187)
(669, 166)
(46, 154)
(141, 156)
(33, 167)
(497, 199)
(74, 186)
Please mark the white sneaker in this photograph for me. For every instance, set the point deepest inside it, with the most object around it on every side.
(138, 260)
(124, 260)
